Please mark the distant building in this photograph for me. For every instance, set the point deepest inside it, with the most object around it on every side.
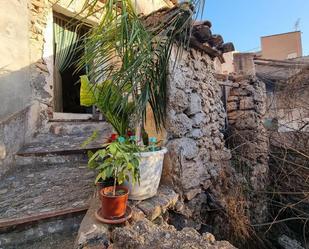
(282, 46)
(228, 66)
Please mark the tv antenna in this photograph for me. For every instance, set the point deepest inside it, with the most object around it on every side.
(297, 25)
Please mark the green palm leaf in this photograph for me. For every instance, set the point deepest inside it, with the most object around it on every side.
(128, 63)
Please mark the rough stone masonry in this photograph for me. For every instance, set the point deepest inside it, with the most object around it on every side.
(248, 138)
(197, 165)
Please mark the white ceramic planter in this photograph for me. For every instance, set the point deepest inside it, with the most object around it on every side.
(150, 167)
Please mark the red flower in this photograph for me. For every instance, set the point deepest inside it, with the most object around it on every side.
(113, 137)
(130, 133)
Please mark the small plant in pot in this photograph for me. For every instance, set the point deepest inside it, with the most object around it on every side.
(127, 65)
(100, 182)
(118, 161)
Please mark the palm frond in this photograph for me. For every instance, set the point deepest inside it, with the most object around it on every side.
(134, 59)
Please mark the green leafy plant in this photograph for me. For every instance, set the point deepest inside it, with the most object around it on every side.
(118, 160)
(128, 64)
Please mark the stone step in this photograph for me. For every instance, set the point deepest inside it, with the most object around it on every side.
(65, 144)
(35, 192)
(52, 233)
(77, 127)
(51, 159)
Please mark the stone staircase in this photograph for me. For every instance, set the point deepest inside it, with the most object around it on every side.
(48, 190)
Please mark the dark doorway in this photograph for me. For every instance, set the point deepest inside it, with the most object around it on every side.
(67, 77)
(71, 88)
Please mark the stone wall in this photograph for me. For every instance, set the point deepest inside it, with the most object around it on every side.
(248, 140)
(195, 118)
(216, 193)
(40, 13)
(197, 164)
(12, 137)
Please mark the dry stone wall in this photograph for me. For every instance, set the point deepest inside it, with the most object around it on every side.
(199, 164)
(246, 107)
(197, 158)
(147, 235)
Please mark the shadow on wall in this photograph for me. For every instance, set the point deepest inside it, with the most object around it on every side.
(19, 110)
(28, 97)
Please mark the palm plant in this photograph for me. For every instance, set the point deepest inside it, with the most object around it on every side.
(128, 63)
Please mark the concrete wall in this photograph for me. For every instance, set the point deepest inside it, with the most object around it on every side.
(282, 46)
(15, 89)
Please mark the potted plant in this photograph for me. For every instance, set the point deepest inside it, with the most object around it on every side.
(127, 63)
(116, 160)
(150, 154)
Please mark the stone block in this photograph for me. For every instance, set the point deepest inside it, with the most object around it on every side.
(232, 98)
(189, 195)
(206, 131)
(137, 214)
(154, 207)
(247, 120)
(287, 243)
(259, 95)
(183, 146)
(233, 115)
(220, 155)
(260, 108)
(91, 230)
(246, 103)
(196, 133)
(178, 124)
(195, 104)
(198, 119)
(2, 152)
(193, 174)
(232, 106)
(218, 143)
(240, 92)
(178, 100)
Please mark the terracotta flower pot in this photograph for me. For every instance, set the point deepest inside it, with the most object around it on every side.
(113, 206)
(106, 183)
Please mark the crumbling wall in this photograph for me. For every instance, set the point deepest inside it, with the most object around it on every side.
(197, 155)
(248, 140)
(12, 137)
(198, 164)
(17, 111)
(217, 195)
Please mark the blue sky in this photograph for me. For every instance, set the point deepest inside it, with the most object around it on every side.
(245, 21)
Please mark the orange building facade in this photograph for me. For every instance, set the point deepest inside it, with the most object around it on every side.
(282, 46)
